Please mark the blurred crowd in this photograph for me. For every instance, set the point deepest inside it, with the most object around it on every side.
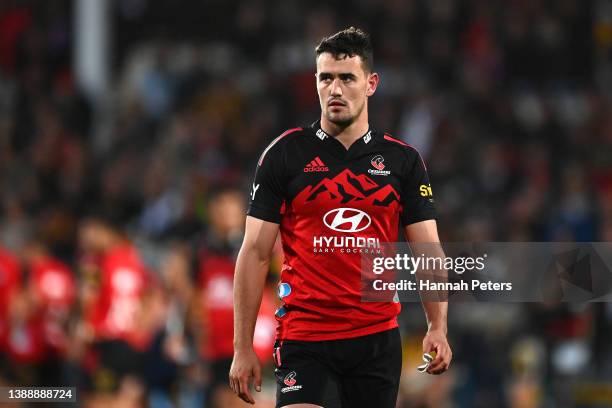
(120, 216)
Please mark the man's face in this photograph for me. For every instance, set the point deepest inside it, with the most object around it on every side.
(93, 236)
(343, 87)
(227, 213)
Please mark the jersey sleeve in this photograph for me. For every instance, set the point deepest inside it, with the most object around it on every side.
(417, 195)
(267, 189)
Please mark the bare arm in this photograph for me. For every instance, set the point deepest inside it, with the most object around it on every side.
(250, 277)
(436, 312)
(249, 280)
(426, 232)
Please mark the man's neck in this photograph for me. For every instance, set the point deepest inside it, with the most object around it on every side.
(346, 135)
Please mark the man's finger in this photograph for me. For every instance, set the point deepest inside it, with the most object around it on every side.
(257, 372)
(445, 364)
(440, 355)
(439, 361)
(244, 389)
(439, 371)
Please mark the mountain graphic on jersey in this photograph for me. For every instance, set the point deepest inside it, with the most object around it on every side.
(346, 188)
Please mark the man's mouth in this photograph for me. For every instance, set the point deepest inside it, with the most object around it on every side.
(336, 103)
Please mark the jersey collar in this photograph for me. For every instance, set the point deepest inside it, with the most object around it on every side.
(366, 139)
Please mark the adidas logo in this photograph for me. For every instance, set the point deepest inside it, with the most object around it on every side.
(315, 165)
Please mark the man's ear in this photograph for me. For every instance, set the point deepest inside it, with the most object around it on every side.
(373, 80)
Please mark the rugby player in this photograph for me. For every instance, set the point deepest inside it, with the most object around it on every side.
(334, 190)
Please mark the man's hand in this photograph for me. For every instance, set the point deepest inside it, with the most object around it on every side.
(246, 365)
(435, 340)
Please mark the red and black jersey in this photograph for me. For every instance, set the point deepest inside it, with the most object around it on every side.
(10, 285)
(333, 205)
(216, 277)
(124, 282)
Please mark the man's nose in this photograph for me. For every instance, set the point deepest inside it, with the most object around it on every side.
(336, 89)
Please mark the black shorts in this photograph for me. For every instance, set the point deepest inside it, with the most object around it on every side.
(357, 372)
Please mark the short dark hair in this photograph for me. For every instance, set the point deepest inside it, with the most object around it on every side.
(349, 42)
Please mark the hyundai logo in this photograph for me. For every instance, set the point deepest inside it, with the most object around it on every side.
(346, 220)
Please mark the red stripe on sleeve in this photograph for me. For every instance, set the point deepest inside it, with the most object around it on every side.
(392, 139)
(388, 137)
(288, 132)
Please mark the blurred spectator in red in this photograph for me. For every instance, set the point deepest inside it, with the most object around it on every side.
(52, 287)
(10, 281)
(22, 326)
(216, 280)
(116, 284)
(21, 343)
(25, 344)
(39, 319)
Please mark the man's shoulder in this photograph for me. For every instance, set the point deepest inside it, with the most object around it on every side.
(280, 142)
(398, 144)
